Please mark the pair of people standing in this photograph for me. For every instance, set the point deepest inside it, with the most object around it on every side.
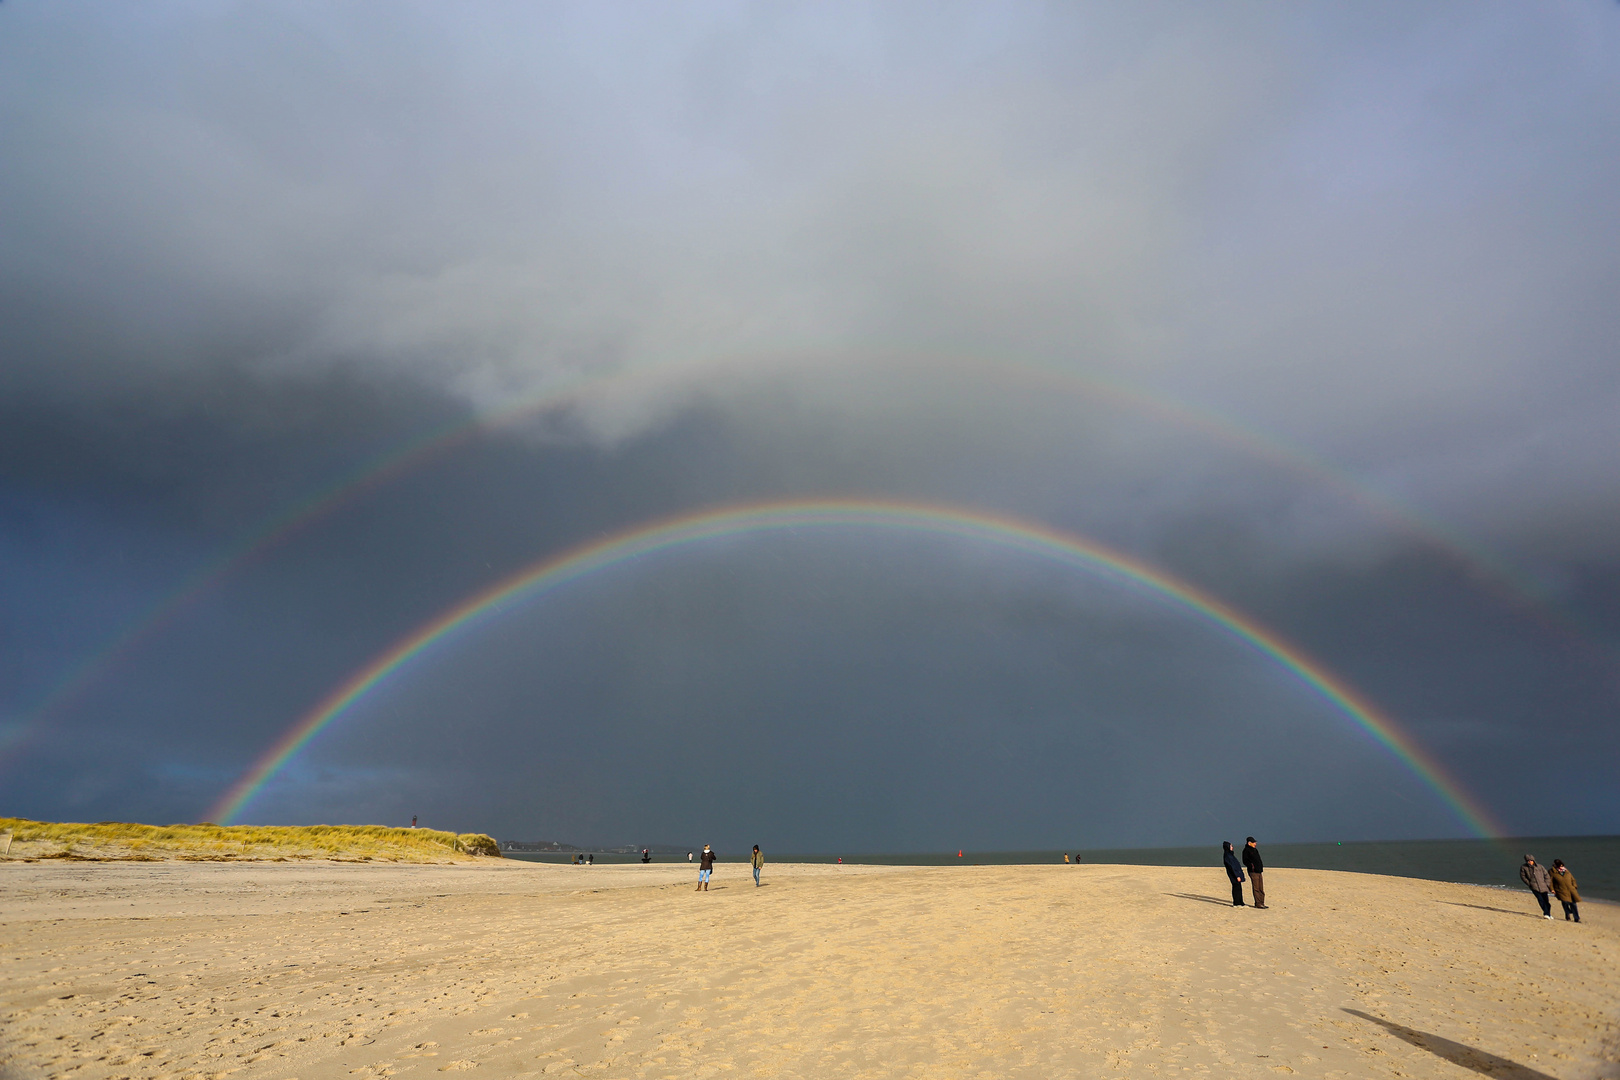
(1558, 881)
(1253, 864)
(706, 866)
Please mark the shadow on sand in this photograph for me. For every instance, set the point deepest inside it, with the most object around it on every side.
(1482, 907)
(1457, 1053)
(1205, 899)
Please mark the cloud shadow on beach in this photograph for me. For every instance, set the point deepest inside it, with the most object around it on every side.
(1205, 899)
(1457, 1053)
(1484, 907)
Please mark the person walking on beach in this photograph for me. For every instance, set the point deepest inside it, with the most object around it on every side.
(1536, 880)
(1234, 871)
(759, 864)
(1563, 885)
(705, 868)
(1256, 869)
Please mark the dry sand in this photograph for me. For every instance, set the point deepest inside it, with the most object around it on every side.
(318, 970)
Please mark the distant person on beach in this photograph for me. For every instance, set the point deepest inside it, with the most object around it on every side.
(646, 855)
(688, 856)
(1536, 880)
(705, 868)
(1234, 871)
(758, 863)
(1563, 885)
(1256, 868)
(1065, 858)
(590, 860)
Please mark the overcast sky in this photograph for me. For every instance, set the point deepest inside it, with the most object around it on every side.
(1312, 307)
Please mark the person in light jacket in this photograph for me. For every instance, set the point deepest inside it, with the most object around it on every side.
(758, 863)
(1535, 878)
(1563, 886)
(1234, 871)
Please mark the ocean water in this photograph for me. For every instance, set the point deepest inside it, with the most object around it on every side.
(1594, 860)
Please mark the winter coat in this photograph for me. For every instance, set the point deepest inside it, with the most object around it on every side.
(706, 860)
(1535, 878)
(1563, 886)
(1251, 860)
(759, 859)
(1234, 869)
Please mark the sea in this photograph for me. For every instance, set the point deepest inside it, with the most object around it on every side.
(1594, 860)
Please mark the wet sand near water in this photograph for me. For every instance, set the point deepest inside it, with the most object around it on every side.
(316, 970)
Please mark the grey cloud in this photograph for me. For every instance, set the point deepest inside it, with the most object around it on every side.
(1343, 211)
(790, 251)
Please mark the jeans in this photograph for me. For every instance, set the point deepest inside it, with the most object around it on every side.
(1571, 907)
(703, 875)
(1546, 904)
(756, 877)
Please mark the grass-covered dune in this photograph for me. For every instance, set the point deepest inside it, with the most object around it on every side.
(120, 840)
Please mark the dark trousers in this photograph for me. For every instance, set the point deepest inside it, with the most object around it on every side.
(1259, 888)
(1571, 908)
(1237, 892)
(1546, 904)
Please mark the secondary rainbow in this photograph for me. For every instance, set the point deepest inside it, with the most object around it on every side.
(403, 460)
(1028, 537)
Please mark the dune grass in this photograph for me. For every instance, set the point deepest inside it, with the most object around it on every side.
(122, 840)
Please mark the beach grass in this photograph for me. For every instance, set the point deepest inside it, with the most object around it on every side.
(207, 842)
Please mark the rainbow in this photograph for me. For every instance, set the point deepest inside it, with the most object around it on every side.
(1026, 537)
(277, 530)
(401, 461)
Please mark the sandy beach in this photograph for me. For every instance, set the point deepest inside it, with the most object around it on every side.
(314, 970)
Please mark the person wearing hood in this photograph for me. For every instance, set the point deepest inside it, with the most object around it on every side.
(758, 863)
(705, 868)
(1234, 871)
(1563, 885)
(1535, 878)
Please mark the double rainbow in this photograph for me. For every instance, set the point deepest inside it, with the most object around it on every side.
(406, 458)
(1029, 538)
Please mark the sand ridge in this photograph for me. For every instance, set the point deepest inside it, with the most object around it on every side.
(310, 971)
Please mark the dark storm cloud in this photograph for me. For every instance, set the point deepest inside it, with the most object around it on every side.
(839, 690)
(246, 250)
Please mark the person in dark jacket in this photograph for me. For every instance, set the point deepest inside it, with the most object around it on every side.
(1536, 880)
(758, 863)
(705, 868)
(1234, 870)
(1563, 886)
(1256, 869)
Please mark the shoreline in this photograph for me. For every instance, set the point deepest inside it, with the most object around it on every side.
(324, 970)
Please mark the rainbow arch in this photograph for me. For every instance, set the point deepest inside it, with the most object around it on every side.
(1028, 537)
(278, 529)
